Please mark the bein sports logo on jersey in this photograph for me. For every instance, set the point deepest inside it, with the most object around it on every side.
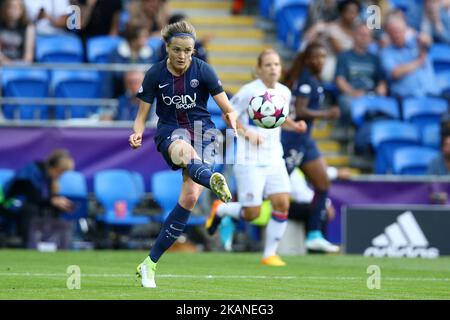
(181, 102)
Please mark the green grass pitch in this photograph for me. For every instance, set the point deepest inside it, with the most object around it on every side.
(180, 276)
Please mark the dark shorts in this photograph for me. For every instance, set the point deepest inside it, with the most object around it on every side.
(206, 150)
(298, 149)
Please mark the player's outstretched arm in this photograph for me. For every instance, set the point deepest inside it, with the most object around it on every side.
(139, 125)
(298, 126)
(227, 110)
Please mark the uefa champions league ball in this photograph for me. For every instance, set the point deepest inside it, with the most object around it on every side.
(268, 110)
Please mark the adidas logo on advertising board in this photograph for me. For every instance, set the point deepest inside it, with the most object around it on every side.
(403, 238)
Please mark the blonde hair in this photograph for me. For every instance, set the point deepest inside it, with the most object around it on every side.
(178, 29)
(264, 53)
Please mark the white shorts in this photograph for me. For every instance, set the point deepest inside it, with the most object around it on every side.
(254, 183)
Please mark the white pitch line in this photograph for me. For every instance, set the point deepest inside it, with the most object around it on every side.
(192, 276)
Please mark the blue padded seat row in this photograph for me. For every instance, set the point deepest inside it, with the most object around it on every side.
(100, 47)
(431, 135)
(59, 49)
(361, 107)
(440, 56)
(413, 160)
(72, 184)
(424, 110)
(117, 191)
(389, 135)
(25, 83)
(290, 17)
(75, 84)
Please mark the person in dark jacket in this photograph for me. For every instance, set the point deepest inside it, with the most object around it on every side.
(33, 191)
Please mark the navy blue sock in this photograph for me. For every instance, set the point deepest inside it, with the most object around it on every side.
(171, 229)
(318, 210)
(199, 172)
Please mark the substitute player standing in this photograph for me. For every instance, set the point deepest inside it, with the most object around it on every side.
(181, 85)
(260, 170)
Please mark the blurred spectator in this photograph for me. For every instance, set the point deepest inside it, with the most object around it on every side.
(133, 49)
(406, 62)
(436, 21)
(199, 48)
(441, 165)
(237, 6)
(358, 73)
(152, 14)
(49, 17)
(395, 14)
(17, 36)
(99, 17)
(128, 103)
(33, 191)
(321, 11)
(337, 35)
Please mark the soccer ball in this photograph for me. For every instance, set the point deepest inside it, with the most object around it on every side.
(268, 110)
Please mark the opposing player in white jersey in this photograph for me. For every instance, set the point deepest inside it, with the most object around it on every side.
(260, 170)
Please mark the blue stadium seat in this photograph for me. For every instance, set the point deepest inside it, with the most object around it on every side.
(431, 135)
(139, 183)
(166, 188)
(23, 83)
(116, 191)
(440, 56)
(155, 44)
(403, 5)
(75, 84)
(100, 47)
(413, 160)
(59, 48)
(216, 113)
(425, 110)
(386, 137)
(290, 18)
(72, 184)
(443, 81)
(371, 105)
(5, 176)
(266, 8)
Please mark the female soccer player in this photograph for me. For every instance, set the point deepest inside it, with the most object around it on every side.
(300, 150)
(181, 84)
(260, 170)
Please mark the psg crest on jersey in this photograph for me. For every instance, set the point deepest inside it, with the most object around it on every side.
(194, 83)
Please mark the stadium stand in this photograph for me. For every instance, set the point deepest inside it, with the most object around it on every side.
(423, 111)
(60, 48)
(100, 47)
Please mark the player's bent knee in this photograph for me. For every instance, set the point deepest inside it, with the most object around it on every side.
(251, 213)
(188, 200)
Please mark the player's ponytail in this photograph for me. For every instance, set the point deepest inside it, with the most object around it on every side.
(178, 29)
(300, 64)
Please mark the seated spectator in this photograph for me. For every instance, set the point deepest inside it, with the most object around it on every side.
(199, 47)
(33, 191)
(152, 14)
(441, 165)
(394, 14)
(17, 35)
(133, 49)
(435, 21)
(128, 103)
(337, 35)
(406, 62)
(49, 17)
(321, 12)
(99, 17)
(358, 73)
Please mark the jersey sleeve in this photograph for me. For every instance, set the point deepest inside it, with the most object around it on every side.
(240, 101)
(304, 86)
(148, 89)
(211, 79)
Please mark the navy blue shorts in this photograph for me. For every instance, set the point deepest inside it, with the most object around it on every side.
(298, 149)
(207, 153)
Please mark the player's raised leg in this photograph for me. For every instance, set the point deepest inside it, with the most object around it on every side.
(171, 229)
(184, 154)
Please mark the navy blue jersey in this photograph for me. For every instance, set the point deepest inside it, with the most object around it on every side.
(308, 86)
(180, 101)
